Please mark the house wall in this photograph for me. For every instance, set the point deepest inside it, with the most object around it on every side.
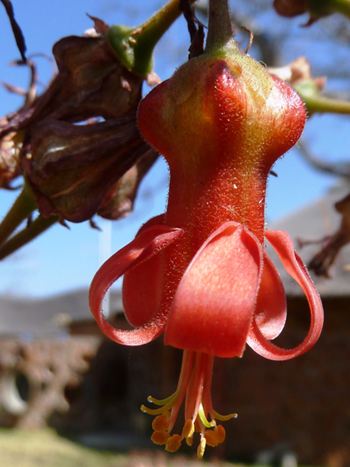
(301, 405)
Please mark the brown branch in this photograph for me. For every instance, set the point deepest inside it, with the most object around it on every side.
(17, 31)
(195, 29)
(321, 262)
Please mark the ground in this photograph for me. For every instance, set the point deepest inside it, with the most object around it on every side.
(46, 449)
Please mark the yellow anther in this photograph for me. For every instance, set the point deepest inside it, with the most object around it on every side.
(189, 441)
(201, 447)
(188, 429)
(160, 423)
(173, 443)
(160, 437)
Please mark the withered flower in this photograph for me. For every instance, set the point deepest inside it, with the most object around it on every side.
(90, 82)
(10, 146)
(72, 168)
(119, 201)
(80, 135)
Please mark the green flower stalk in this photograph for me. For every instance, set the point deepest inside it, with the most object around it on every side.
(134, 46)
(310, 88)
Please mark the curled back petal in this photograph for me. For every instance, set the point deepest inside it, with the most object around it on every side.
(271, 308)
(141, 285)
(215, 301)
(147, 244)
(283, 245)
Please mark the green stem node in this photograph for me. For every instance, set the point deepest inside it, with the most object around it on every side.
(134, 46)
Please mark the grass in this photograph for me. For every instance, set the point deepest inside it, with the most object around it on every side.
(20, 448)
(44, 448)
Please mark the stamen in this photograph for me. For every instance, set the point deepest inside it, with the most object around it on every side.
(160, 437)
(216, 436)
(160, 410)
(150, 411)
(203, 418)
(189, 441)
(194, 388)
(211, 438)
(161, 423)
(188, 429)
(220, 434)
(201, 447)
(164, 401)
(224, 418)
(173, 443)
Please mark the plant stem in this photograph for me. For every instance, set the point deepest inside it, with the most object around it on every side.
(20, 210)
(324, 104)
(134, 46)
(26, 235)
(149, 33)
(220, 30)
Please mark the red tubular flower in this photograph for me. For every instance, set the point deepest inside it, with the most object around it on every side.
(200, 274)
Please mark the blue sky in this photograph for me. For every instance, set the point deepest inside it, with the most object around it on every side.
(63, 259)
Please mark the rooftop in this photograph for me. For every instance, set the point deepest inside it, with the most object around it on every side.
(314, 222)
(30, 318)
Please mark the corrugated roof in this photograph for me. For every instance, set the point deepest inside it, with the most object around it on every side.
(30, 318)
(312, 223)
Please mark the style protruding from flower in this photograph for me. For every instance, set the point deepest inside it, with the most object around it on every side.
(199, 274)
